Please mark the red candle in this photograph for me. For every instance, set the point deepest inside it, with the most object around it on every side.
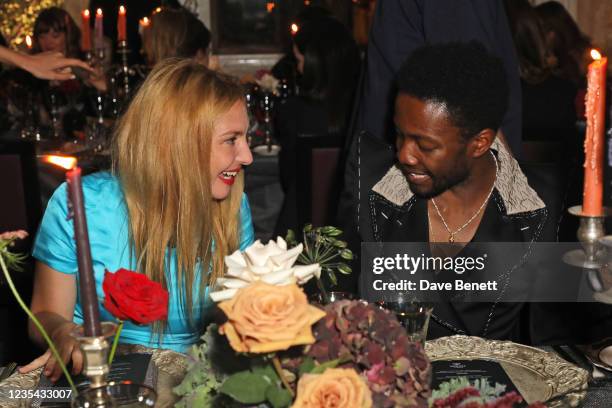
(121, 33)
(98, 30)
(594, 139)
(85, 31)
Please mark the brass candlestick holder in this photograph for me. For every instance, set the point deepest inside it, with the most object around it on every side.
(590, 231)
(124, 69)
(95, 364)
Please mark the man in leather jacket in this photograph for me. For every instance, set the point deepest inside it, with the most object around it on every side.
(452, 180)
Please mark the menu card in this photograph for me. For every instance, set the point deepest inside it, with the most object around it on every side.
(492, 371)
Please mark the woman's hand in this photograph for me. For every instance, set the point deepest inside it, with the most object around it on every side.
(51, 65)
(97, 79)
(68, 349)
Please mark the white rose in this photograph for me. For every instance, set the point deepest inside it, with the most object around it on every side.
(271, 263)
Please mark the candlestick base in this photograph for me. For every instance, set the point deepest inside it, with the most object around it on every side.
(95, 354)
(590, 231)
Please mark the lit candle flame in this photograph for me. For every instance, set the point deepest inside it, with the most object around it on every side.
(121, 10)
(157, 10)
(28, 41)
(294, 29)
(270, 6)
(66, 162)
(596, 55)
(86, 13)
(144, 22)
(99, 12)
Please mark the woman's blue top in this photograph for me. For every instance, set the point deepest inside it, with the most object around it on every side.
(107, 224)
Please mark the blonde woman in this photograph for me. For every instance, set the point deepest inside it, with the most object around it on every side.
(172, 208)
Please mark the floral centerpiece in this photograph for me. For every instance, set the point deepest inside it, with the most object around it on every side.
(275, 349)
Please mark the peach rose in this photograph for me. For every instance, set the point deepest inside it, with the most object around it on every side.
(263, 318)
(336, 387)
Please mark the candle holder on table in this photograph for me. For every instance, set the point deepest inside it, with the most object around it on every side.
(590, 231)
(102, 393)
(124, 69)
(95, 353)
(96, 132)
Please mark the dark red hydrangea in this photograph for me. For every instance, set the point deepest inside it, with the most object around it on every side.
(373, 342)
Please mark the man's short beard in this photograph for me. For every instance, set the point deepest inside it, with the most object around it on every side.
(459, 174)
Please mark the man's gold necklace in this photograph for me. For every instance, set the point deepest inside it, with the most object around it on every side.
(451, 234)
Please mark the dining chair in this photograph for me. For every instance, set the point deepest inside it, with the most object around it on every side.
(20, 206)
(317, 178)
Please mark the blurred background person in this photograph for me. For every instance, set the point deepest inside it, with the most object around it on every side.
(55, 30)
(286, 68)
(570, 46)
(568, 43)
(547, 98)
(327, 62)
(175, 32)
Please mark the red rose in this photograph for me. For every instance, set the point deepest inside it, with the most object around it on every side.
(132, 296)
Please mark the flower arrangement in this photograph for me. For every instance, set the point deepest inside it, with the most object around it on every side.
(274, 349)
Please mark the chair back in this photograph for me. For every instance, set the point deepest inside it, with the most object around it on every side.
(317, 178)
(20, 206)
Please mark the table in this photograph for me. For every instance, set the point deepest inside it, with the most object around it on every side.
(172, 367)
(599, 393)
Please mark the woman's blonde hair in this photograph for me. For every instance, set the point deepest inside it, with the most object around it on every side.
(161, 155)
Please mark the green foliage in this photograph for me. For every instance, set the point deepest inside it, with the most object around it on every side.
(246, 387)
(319, 369)
(219, 377)
(322, 246)
(278, 397)
(307, 366)
(200, 384)
(12, 261)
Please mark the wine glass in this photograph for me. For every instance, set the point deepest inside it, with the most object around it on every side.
(412, 314)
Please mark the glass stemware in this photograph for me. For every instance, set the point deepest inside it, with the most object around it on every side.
(412, 314)
(267, 103)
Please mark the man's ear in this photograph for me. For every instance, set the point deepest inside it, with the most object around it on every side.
(480, 144)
